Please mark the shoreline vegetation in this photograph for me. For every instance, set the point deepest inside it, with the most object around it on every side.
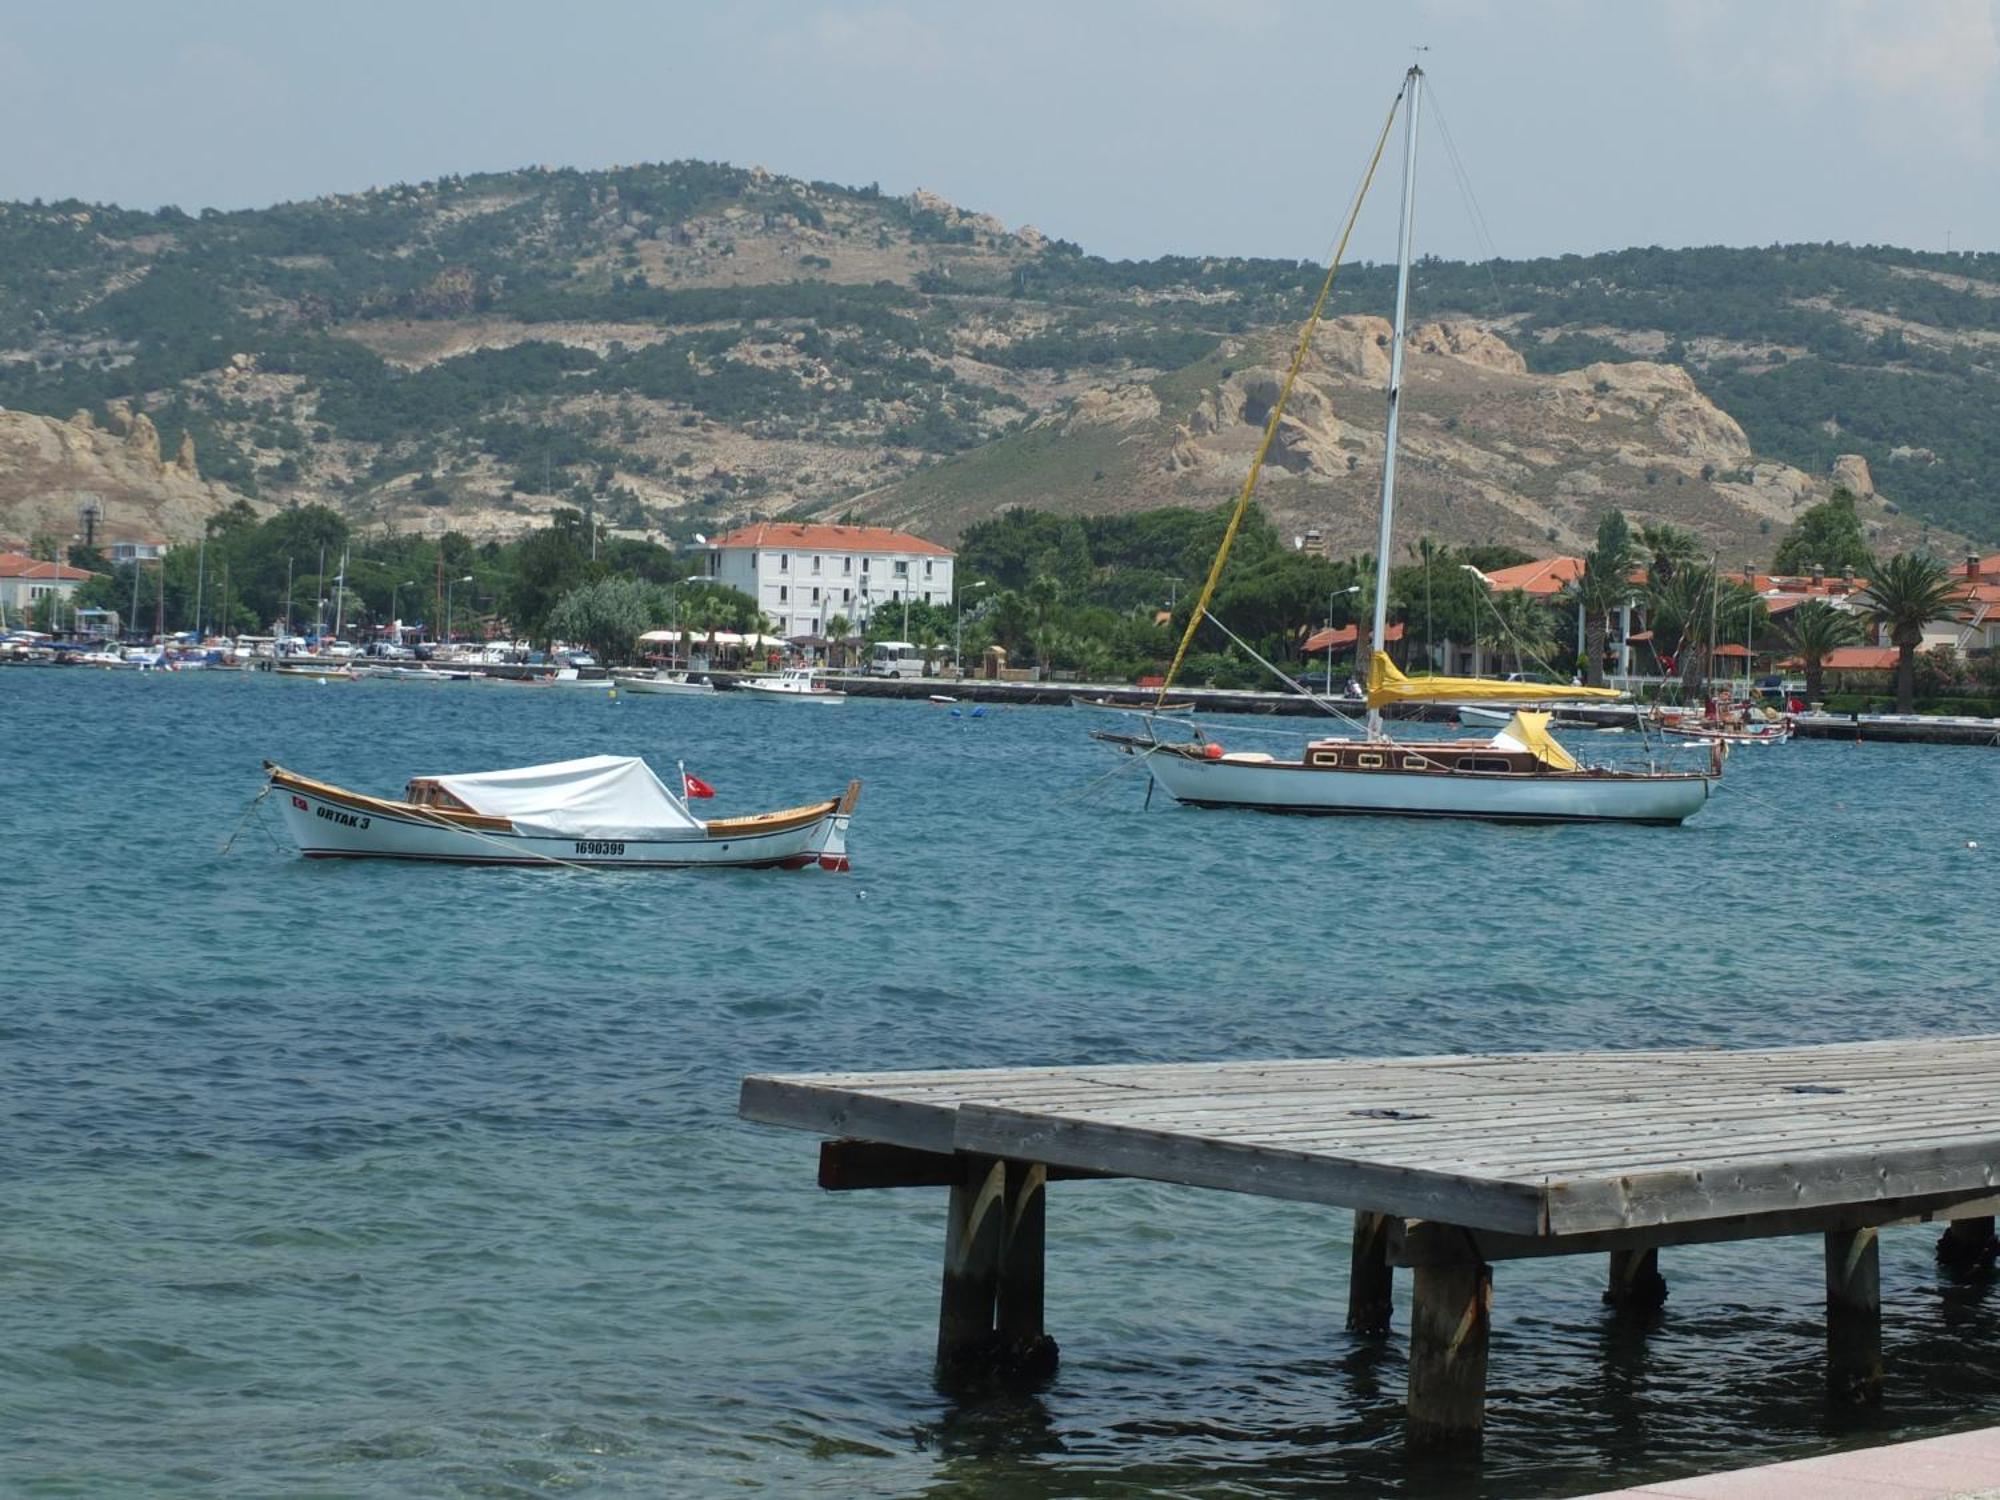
(1100, 598)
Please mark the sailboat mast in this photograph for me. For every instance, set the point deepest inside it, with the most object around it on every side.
(1413, 93)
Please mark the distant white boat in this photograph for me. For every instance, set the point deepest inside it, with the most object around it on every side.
(604, 810)
(793, 685)
(1483, 718)
(672, 684)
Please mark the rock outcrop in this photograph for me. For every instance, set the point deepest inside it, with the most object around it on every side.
(1850, 473)
(1471, 342)
(49, 469)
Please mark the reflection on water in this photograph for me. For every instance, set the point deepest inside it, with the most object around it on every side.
(386, 1181)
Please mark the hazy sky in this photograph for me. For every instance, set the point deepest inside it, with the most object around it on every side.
(1198, 126)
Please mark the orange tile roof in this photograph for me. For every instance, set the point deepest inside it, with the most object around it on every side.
(15, 565)
(1544, 576)
(1324, 637)
(1860, 659)
(800, 535)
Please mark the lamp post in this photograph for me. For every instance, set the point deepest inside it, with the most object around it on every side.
(958, 627)
(449, 584)
(1485, 583)
(396, 624)
(1352, 588)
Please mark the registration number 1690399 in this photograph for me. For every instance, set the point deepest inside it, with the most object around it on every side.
(599, 846)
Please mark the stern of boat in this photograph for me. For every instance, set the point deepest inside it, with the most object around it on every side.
(829, 845)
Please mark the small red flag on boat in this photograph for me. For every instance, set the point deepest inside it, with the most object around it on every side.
(696, 787)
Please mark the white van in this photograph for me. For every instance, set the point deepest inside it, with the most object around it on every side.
(895, 659)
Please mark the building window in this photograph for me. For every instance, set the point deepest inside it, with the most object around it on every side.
(864, 565)
(815, 596)
(902, 567)
(847, 596)
(847, 565)
(784, 562)
(783, 593)
(927, 567)
(815, 567)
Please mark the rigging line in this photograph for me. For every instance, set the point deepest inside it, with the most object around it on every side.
(1278, 407)
(1284, 677)
(1481, 231)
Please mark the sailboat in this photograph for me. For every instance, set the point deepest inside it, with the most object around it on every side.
(1521, 774)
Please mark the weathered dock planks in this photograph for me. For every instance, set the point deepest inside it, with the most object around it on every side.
(1451, 1163)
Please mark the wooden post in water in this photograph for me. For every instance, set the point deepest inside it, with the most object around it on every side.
(1853, 1315)
(1026, 1349)
(1967, 1248)
(1449, 1319)
(1635, 1284)
(1370, 1281)
(974, 1230)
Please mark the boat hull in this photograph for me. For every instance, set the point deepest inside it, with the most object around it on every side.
(668, 689)
(330, 823)
(1289, 787)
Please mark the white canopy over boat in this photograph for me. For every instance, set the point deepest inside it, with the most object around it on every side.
(600, 796)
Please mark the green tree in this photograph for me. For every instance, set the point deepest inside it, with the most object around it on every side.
(1816, 629)
(609, 615)
(1826, 535)
(1903, 595)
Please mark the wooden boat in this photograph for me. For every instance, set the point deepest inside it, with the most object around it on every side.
(1521, 775)
(668, 684)
(793, 685)
(1135, 706)
(604, 810)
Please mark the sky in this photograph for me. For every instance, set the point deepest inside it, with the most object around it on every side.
(1220, 127)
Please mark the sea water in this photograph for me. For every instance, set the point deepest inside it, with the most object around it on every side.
(389, 1180)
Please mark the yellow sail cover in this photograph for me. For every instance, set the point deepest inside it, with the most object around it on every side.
(1386, 685)
(1530, 732)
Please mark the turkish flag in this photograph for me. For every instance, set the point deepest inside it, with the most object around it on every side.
(695, 786)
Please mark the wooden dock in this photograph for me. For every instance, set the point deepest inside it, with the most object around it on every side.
(1450, 1164)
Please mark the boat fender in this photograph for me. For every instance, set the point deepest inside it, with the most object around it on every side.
(1211, 751)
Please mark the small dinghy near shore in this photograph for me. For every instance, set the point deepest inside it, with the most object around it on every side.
(604, 811)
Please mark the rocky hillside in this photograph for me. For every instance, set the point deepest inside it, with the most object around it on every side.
(1490, 451)
(676, 346)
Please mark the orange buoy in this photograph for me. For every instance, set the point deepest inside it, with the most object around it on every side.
(1212, 751)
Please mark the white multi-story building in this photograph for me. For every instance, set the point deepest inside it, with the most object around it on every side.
(803, 574)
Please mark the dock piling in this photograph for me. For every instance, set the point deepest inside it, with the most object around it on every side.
(1854, 1315)
(1450, 1316)
(1967, 1248)
(1025, 1349)
(1370, 1280)
(1635, 1284)
(974, 1230)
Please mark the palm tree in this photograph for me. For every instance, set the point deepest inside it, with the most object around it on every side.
(1528, 630)
(1817, 629)
(1692, 610)
(1906, 594)
(1666, 550)
(836, 635)
(1603, 586)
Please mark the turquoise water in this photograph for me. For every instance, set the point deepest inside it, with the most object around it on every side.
(384, 1180)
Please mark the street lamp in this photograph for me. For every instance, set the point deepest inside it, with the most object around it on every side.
(449, 583)
(396, 624)
(1352, 588)
(1487, 584)
(958, 628)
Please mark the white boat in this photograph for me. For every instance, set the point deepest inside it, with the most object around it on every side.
(793, 685)
(672, 684)
(602, 811)
(1481, 718)
(1520, 775)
